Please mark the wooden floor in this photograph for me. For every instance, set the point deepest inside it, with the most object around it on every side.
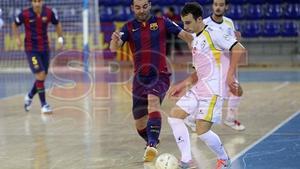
(91, 128)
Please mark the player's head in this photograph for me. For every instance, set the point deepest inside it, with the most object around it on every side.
(191, 16)
(219, 7)
(157, 12)
(141, 9)
(37, 3)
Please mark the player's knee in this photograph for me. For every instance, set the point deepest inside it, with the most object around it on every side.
(41, 75)
(141, 123)
(176, 112)
(202, 127)
(201, 131)
(153, 103)
(139, 112)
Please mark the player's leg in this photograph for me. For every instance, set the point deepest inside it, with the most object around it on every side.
(140, 114)
(153, 127)
(190, 121)
(154, 120)
(29, 96)
(186, 105)
(209, 113)
(41, 77)
(146, 128)
(37, 67)
(181, 134)
(156, 93)
(231, 119)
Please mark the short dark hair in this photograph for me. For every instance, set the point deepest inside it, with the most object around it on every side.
(226, 2)
(157, 10)
(193, 8)
(133, 1)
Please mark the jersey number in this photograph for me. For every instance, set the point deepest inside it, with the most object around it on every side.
(34, 60)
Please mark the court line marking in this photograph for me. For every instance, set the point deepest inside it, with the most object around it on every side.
(265, 136)
(284, 84)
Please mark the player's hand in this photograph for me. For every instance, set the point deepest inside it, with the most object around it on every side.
(177, 90)
(230, 80)
(60, 42)
(116, 36)
(238, 35)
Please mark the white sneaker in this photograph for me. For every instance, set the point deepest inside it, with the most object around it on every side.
(235, 124)
(190, 121)
(27, 103)
(46, 109)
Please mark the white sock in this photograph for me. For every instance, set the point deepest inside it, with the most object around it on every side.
(213, 141)
(233, 105)
(182, 138)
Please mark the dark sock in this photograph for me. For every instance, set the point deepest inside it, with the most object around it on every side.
(32, 91)
(143, 134)
(40, 87)
(153, 128)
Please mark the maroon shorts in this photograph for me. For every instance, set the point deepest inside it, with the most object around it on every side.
(142, 86)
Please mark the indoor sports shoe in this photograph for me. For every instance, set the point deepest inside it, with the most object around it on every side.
(46, 109)
(235, 124)
(190, 121)
(223, 164)
(189, 165)
(150, 154)
(27, 103)
(158, 142)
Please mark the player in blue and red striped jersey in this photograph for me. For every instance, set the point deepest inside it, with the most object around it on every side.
(36, 20)
(146, 35)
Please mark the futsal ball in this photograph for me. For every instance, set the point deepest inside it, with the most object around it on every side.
(166, 161)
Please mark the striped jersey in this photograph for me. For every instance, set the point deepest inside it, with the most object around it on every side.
(36, 28)
(147, 41)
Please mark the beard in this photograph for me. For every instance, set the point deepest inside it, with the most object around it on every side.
(142, 17)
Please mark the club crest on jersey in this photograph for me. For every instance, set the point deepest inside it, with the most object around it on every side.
(44, 19)
(153, 26)
(203, 44)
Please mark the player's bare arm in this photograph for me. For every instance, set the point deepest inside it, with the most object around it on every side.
(238, 35)
(236, 52)
(16, 34)
(59, 34)
(187, 37)
(180, 88)
(116, 41)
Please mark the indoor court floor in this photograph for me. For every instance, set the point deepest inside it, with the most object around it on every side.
(92, 126)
